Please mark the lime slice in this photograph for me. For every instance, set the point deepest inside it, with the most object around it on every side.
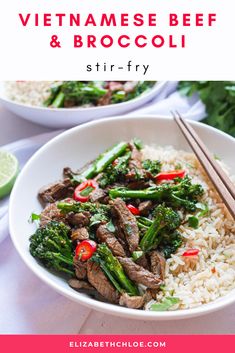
(9, 168)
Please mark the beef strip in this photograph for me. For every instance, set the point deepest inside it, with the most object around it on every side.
(139, 274)
(51, 213)
(126, 222)
(143, 262)
(67, 172)
(80, 268)
(136, 172)
(136, 158)
(105, 99)
(138, 184)
(130, 86)
(135, 302)
(157, 264)
(56, 191)
(79, 219)
(79, 284)
(145, 207)
(115, 86)
(79, 234)
(97, 279)
(105, 236)
(98, 195)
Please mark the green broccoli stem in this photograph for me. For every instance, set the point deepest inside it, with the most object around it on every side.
(64, 259)
(104, 160)
(58, 102)
(150, 194)
(110, 276)
(150, 239)
(144, 220)
(115, 268)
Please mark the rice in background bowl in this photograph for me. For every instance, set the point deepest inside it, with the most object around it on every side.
(32, 93)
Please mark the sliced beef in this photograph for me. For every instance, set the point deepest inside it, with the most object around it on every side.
(78, 285)
(98, 195)
(106, 99)
(51, 213)
(79, 219)
(67, 172)
(135, 302)
(143, 261)
(79, 234)
(97, 279)
(130, 86)
(145, 207)
(136, 158)
(80, 268)
(139, 274)
(56, 191)
(115, 86)
(157, 264)
(126, 222)
(138, 184)
(136, 172)
(105, 236)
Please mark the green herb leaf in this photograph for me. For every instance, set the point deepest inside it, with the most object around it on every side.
(34, 217)
(137, 254)
(110, 226)
(165, 304)
(138, 143)
(193, 222)
(204, 209)
(86, 191)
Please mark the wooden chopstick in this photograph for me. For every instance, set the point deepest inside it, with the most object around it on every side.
(220, 180)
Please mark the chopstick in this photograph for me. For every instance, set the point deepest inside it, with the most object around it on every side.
(220, 180)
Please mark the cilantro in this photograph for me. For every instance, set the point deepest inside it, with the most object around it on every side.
(193, 222)
(219, 99)
(165, 304)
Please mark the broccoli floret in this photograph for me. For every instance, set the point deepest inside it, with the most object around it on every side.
(166, 220)
(52, 246)
(153, 167)
(170, 242)
(180, 194)
(115, 172)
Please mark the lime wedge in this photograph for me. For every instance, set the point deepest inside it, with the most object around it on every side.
(9, 168)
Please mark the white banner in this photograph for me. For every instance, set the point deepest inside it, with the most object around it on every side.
(110, 40)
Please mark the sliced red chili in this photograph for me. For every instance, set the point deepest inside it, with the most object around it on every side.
(83, 191)
(85, 250)
(170, 175)
(191, 252)
(134, 210)
(115, 162)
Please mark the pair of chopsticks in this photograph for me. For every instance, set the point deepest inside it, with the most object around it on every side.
(220, 180)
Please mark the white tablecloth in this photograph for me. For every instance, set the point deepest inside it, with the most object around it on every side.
(30, 307)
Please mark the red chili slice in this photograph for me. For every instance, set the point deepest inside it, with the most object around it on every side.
(170, 175)
(83, 191)
(134, 210)
(85, 250)
(191, 252)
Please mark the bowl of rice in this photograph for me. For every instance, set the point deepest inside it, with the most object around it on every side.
(27, 100)
(202, 283)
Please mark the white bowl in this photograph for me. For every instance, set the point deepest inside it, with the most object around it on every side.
(69, 117)
(75, 148)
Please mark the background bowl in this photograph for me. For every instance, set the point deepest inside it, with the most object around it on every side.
(75, 148)
(69, 117)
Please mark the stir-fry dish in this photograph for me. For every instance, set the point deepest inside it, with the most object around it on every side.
(69, 94)
(112, 227)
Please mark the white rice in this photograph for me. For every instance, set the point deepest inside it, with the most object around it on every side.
(199, 279)
(28, 92)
